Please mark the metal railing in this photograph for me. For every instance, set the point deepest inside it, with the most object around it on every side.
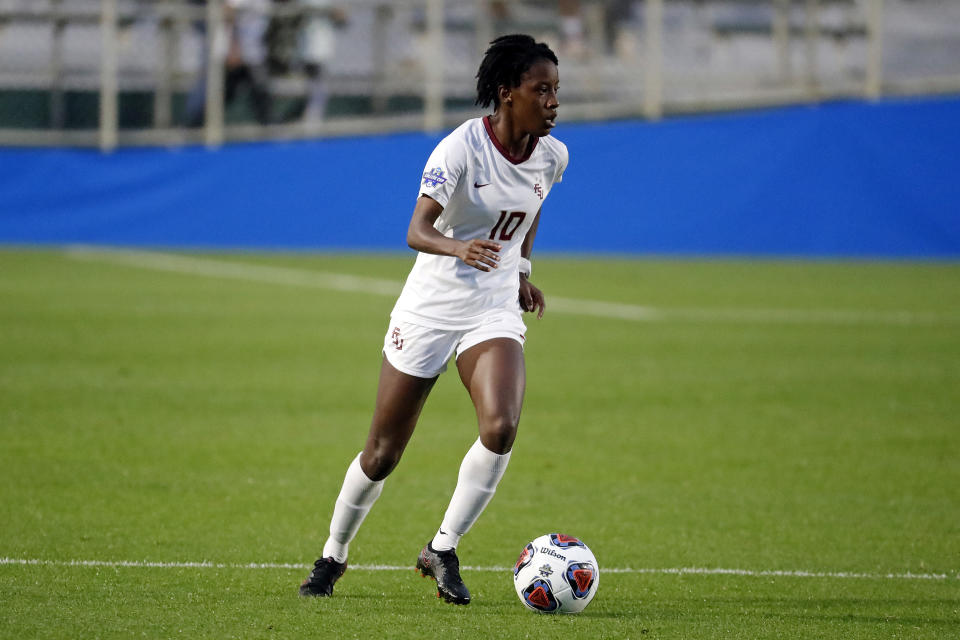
(625, 59)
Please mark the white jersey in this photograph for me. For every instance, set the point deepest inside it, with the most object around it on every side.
(485, 193)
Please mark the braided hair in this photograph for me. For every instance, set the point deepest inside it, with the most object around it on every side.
(505, 62)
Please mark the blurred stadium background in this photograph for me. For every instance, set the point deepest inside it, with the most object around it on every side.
(107, 72)
(744, 127)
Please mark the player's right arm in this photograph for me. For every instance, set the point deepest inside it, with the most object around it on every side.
(478, 253)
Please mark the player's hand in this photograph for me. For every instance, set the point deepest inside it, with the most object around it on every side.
(480, 254)
(531, 298)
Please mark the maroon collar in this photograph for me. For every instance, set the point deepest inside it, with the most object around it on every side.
(502, 150)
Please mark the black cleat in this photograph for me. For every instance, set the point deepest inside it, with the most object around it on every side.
(325, 572)
(444, 567)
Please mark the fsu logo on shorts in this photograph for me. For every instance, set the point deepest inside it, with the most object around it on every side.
(537, 189)
(397, 340)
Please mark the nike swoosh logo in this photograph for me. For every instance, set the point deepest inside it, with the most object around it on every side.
(477, 186)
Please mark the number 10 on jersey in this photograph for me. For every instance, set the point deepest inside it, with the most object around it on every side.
(507, 225)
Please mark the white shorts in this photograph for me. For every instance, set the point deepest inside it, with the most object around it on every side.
(424, 351)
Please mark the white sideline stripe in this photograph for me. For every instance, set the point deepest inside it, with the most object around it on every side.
(601, 309)
(680, 571)
(208, 267)
(236, 270)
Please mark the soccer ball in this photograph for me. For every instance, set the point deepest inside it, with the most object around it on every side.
(556, 574)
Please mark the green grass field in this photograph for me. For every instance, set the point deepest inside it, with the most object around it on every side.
(760, 416)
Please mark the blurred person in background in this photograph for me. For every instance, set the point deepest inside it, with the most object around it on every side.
(245, 23)
(302, 41)
(569, 20)
(473, 224)
(318, 42)
(571, 28)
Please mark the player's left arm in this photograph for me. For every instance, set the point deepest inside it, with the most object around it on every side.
(531, 298)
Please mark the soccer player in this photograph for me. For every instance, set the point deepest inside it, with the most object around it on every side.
(473, 224)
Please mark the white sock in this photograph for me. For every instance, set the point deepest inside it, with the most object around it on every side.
(480, 472)
(356, 497)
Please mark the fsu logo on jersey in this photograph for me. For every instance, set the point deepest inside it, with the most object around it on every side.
(537, 189)
(434, 177)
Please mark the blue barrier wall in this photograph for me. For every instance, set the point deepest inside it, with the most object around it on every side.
(843, 179)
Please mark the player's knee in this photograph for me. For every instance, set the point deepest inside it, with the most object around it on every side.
(497, 434)
(377, 462)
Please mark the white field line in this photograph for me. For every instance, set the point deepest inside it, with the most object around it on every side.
(679, 571)
(236, 271)
(307, 278)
